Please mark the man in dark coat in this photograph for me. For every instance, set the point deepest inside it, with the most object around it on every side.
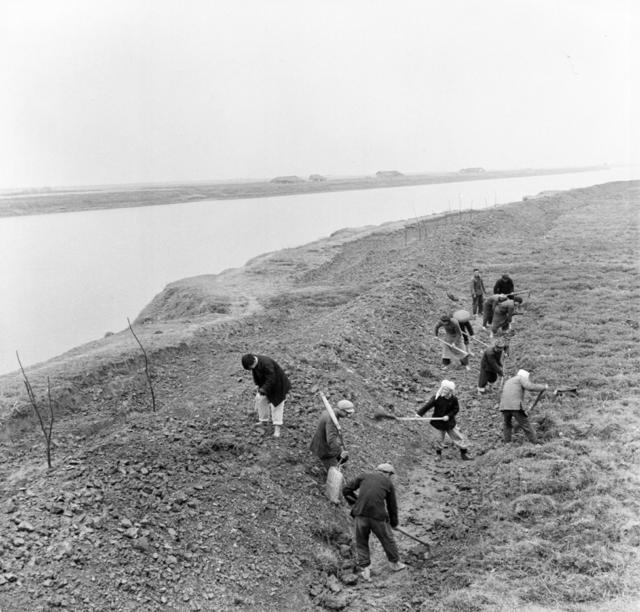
(273, 386)
(374, 509)
(491, 365)
(445, 405)
(504, 285)
(326, 442)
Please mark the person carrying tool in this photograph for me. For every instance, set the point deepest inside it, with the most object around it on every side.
(452, 345)
(511, 405)
(477, 293)
(273, 386)
(504, 285)
(374, 509)
(445, 404)
(326, 442)
(491, 365)
(463, 318)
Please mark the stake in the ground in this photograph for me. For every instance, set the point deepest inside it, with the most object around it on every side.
(47, 429)
(146, 367)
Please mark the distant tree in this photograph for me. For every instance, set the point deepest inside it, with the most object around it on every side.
(146, 367)
(47, 428)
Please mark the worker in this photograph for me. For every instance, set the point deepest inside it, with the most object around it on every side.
(445, 406)
(374, 509)
(273, 386)
(327, 442)
(511, 405)
(452, 345)
(491, 365)
(477, 293)
(504, 285)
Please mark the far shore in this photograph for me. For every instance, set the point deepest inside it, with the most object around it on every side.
(59, 200)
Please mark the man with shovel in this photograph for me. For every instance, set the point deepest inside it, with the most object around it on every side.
(374, 509)
(491, 365)
(445, 406)
(327, 442)
(512, 405)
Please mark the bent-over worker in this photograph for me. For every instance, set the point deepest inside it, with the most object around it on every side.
(326, 443)
(511, 405)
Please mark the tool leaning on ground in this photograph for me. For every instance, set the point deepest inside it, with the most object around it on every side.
(335, 478)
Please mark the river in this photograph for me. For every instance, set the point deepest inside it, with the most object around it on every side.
(68, 278)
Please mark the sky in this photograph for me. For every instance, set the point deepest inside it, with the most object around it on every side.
(130, 91)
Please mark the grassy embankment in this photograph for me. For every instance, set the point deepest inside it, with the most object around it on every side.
(553, 527)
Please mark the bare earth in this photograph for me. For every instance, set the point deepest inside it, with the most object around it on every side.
(191, 508)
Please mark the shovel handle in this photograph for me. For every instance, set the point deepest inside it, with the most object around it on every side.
(419, 418)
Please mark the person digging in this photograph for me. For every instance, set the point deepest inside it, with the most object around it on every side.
(374, 509)
(273, 386)
(445, 404)
(491, 365)
(512, 405)
(326, 442)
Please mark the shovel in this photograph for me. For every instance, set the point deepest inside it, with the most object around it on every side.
(451, 346)
(403, 532)
(381, 414)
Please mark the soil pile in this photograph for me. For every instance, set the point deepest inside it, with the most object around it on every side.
(193, 508)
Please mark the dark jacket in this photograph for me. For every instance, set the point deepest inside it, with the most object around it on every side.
(443, 406)
(467, 330)
(271, 379)
(492, 360)
(326, 441)
(377, 497)
(503, 285)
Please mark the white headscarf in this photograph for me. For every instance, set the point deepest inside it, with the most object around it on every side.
(523, 374)
(446, 384)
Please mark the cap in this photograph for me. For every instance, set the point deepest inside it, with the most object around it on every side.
(248, 360)
(346, 405)
(387, 468)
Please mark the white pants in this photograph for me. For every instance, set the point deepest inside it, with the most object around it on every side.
(265, 409)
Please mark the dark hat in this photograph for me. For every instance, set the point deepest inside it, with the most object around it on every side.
(444, 317)
(248, 360)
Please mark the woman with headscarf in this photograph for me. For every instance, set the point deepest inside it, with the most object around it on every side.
(452, 345)
(445, 405)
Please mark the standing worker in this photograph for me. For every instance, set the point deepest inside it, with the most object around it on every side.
(452, 348)
(326, 442)
(504, 285)
(477, 293)
(273, 386)
(374, 509)
(511, 405)
(491, 365)
(445, 405)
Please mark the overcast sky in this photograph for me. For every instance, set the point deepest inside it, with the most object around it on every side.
(122, 91)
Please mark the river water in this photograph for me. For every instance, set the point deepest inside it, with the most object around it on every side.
(68, 278)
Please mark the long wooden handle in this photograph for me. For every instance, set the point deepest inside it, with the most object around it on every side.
(451, 346)
(419, 418)
(332, 414)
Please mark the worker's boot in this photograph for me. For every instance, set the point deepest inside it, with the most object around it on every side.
(276, 431)
(481, 390)
(397, 566)
(438, 455)
(366, 573)
(464, 455)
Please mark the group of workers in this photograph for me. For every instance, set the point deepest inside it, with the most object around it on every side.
(372, 494)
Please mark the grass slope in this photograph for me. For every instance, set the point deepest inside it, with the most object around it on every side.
(192, 509)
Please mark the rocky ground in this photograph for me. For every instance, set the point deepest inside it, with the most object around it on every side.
(192, 507)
